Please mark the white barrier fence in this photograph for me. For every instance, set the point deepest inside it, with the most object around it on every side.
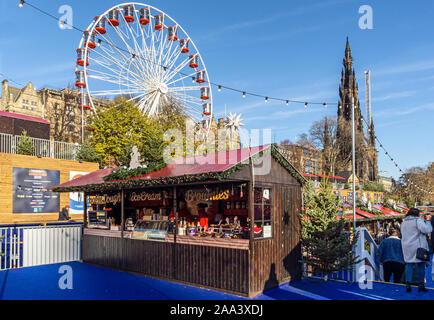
(38, 245)
(41, 147)
(365, 251)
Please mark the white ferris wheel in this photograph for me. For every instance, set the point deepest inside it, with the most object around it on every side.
(139, 52)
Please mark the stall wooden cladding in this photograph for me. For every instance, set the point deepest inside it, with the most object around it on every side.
(242, 269)
(8, 161)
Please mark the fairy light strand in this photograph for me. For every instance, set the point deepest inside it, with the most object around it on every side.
(135, 56)
(220, 86)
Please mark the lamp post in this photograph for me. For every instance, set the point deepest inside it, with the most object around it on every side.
(354, 164)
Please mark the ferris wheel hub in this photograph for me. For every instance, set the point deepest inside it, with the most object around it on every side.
(163, 88)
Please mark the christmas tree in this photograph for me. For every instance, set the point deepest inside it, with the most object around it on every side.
(327, 247)
(25, 144)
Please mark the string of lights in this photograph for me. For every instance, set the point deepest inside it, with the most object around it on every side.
(220, 86)
(394, 162)
(11, 80)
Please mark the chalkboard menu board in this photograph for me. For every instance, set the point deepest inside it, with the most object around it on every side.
(30, 190)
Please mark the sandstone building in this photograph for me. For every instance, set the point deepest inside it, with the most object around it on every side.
(60, 107)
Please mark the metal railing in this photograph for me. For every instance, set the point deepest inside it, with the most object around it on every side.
(364, 251)
(41, 147)
(38, 245)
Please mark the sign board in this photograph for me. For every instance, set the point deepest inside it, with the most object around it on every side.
(31, 190)
(267, 231)
(76, 198)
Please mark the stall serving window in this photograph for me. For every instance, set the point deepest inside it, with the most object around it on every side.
(262, 212)
(104, 211)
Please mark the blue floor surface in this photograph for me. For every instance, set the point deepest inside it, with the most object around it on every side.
(97, 283)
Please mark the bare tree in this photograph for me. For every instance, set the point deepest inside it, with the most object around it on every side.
(323, 135)
(418, 182)
(61, 108)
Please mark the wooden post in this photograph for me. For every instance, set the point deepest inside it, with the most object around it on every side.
(251, 212)
(84, 210)
(175, 214)
(122, 213)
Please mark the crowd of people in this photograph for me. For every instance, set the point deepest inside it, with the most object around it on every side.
(406, 249)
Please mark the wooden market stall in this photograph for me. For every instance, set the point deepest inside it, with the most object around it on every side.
(228, 221)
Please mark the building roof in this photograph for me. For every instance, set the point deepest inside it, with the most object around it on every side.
(215, 166)
(310, 175)
(22, 117)
(387, 211)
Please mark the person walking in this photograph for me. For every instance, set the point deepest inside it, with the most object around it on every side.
(390, 255)
(414, 231)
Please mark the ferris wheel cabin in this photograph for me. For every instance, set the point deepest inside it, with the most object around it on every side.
(129, 13)
(200, 76)
(183, 45)
(100, 25)
(81, 57)
(89, 40)
(159, 22)
(80, 81)
(206, 109)
(84, 100)
(113, 18)
(194, 61)
(204, 93)
(173, 33)
(144, 16)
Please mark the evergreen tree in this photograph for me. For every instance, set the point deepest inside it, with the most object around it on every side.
(328, 248)
(87, 153)
(25, 145)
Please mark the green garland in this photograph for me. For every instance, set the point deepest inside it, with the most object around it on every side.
(119, 179)
(287, 165)
(125, 173)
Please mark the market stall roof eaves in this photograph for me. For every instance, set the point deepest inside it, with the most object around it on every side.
(215, 166)
(95, 177)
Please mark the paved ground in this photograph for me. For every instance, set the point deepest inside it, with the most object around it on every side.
(92, 282)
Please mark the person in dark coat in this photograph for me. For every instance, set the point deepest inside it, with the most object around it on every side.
(390, 255)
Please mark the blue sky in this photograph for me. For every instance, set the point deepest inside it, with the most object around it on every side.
(287, 49)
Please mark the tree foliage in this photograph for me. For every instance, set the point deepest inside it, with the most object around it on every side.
(327, 246)
(118, 128)
(421, 188)
(86, 152)
(373, 186)
(25, 144)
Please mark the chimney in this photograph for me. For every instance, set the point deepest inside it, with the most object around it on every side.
(5, 93)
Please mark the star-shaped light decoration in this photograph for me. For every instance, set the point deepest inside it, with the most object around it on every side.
(234, 122)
